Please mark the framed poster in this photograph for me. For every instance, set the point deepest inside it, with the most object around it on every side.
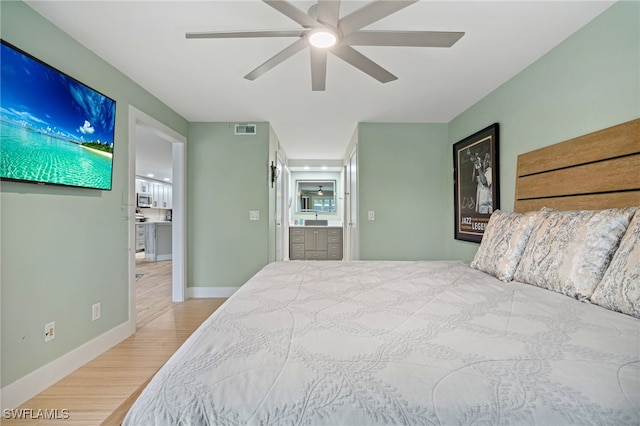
(475, 183)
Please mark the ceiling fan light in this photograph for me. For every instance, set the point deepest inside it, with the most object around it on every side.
(322, 39)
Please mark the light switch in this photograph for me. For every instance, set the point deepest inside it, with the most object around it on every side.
(372, 215)
(254, 215)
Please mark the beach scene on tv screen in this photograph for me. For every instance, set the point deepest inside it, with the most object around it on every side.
(53, 128)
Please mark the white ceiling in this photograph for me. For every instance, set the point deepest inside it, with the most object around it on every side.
(153, 155)
(202, 80)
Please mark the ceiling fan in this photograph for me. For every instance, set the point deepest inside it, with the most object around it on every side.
(324, 31)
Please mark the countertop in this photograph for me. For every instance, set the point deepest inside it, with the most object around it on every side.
(315, 226)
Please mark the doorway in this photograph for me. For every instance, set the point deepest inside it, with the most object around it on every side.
(154, 180)
(168, 274)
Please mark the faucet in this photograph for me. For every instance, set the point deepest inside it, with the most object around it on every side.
(316, 215)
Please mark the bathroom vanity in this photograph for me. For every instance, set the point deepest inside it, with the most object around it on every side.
(315, 242)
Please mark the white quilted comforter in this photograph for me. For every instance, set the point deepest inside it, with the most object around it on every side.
(419, 343)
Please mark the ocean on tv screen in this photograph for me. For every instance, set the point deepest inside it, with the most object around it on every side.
(54, 129)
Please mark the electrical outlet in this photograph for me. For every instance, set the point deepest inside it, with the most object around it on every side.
(371, 215)
(254, 215)
(50, 331)
(95, 311)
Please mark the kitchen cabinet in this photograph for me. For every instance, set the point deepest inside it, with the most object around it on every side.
(315, 243)
(158, 242)
(156, 191)
(168, 197)
(161, 193)
(142, 186)
(140, 234)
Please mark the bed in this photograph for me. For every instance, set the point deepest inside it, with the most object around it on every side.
(537, 330)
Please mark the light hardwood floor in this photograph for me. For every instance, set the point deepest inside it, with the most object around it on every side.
(153, 289)
(101, 391)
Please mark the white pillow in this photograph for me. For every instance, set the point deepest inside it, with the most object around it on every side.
(619, 289)
(503, 242)
(569, 251)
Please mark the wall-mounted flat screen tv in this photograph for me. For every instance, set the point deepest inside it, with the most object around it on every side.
(53, 129)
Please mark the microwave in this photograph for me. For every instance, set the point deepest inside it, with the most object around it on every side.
(144, 200)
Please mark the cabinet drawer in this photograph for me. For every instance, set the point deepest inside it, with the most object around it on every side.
(297, 231)
(140, 234)
(296, 251)
(335, 252)
(297, 238)
(315, 254)
(334, 231)
(333, 239)
(335, 248)
(139, 245)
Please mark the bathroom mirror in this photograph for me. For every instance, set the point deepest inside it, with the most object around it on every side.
(315, 196)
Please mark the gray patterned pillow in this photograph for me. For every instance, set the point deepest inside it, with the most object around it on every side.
(503, 242)
(619, 289)
(569, 251)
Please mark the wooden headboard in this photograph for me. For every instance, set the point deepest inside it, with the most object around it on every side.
(596, 171)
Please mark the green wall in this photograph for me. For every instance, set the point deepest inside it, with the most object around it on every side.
(589, 82)
(227, 176)
(401, 178)
(64, 249)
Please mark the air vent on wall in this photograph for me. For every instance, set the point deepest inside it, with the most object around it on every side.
(245, 129)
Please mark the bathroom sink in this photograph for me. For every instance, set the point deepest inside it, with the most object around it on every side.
(316, 222)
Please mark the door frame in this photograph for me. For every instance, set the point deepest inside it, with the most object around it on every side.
(351, 208)
(179, 231)
(280, 212)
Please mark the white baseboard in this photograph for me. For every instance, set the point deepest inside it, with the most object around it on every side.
(25, 388)
(210, 292)
(35, 382)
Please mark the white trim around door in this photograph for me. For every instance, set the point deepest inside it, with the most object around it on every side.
(179, 230)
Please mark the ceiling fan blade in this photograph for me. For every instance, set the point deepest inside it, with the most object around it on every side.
(293, 12)
(403, 38)
(318, 69)
(364, 64)
(371, 13)
(247, 34)
(329, 12)
(284, 54)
